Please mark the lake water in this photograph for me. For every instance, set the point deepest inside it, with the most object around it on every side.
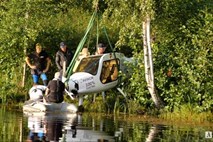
(92, 127)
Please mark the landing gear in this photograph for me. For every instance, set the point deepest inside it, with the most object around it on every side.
(80, 104)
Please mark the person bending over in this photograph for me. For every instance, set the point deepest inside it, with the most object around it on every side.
(55, 90)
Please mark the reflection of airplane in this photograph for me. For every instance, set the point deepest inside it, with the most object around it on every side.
(85, 134)
(48, 126)
(96, 73)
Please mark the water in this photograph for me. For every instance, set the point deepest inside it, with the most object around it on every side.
(91, 127)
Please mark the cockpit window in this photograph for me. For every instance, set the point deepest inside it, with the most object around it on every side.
(89, 65)
(109, 72)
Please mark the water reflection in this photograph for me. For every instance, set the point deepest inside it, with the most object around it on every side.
(63, 127)
(49, 127)
(16, 127)
(86, 133)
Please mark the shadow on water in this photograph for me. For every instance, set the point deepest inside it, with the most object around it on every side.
(92, 127)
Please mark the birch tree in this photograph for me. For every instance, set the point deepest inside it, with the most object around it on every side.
(129, 16)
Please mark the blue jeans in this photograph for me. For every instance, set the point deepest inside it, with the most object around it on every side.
(36, 77)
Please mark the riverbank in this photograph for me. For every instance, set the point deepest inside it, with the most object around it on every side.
(183, 115)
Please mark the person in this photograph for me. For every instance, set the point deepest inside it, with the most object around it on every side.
(63, 55)
(100, 49)
(55, 90)
(39, 63)
(82, 54)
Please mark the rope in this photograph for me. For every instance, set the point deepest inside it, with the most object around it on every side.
(104, 29)
(80, 46)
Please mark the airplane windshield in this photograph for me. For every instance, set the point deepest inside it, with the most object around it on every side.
(89, 65)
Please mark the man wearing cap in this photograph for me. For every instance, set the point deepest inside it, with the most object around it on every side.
(39, 63)
(100, 49)
(63, 55)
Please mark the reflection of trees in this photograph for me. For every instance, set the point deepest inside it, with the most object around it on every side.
(153, 132)
(137, 131)
(11, 126)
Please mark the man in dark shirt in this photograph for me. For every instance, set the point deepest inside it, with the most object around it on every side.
(39, 62)
(64, 55)
(55, 90)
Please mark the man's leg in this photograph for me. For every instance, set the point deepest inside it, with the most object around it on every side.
(44, 79)
(35, 79)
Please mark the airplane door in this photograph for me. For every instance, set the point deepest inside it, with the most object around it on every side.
(109, 71)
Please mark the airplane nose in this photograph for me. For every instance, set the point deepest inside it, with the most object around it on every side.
(76, 86)
(73, 87)
(75, 92)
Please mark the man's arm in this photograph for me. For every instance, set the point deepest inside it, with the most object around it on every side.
(57, 61)
(48, 65)
(47, 91)
(27, 59)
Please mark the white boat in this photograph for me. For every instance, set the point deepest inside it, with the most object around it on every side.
(37, 106)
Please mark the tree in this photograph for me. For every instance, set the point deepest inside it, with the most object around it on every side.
(131, 15)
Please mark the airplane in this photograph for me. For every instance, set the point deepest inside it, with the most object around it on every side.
(96, 73)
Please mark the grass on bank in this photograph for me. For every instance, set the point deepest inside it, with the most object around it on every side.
(184, 114)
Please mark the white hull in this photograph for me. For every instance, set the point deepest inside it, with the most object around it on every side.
(49, 107)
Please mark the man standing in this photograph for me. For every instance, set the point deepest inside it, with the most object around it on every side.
(100, 50)
(64, 55)
(39, 63)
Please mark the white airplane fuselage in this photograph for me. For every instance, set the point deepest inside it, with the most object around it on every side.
(96, 73)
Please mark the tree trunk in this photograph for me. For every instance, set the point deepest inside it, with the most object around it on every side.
(25, 53)
(149, 75)
(24, 72)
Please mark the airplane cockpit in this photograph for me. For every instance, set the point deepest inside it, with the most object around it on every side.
(95, 73)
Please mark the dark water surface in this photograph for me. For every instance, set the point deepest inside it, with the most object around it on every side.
(92, 127)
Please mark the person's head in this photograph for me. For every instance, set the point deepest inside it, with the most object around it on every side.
(85, 51)
(57, 75)
(38, 48)
(63, 46)
(101, 48)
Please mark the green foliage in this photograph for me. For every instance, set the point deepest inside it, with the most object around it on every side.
(181, 43)
(181, 33)
(187, 52)
(24, 23)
